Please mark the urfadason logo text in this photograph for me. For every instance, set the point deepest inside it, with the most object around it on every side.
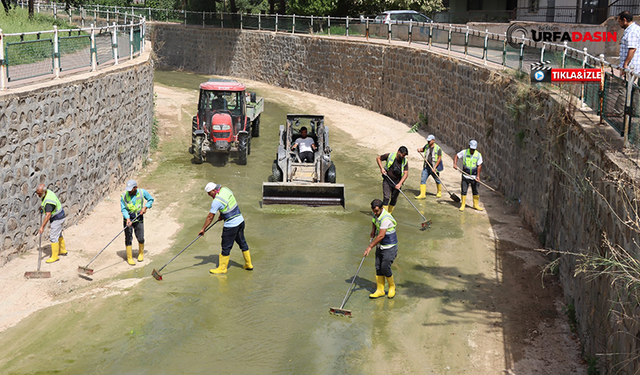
(516, 32)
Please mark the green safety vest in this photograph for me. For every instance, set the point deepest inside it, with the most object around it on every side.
(434, 155)
(230, 207)
(51, 198)
(128, 202)
(391, 159)
(470, 162)
(390, 237)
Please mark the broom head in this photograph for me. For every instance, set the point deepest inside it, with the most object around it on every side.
(340, 312)
(156, 275)
(37, 274)
(85, 270)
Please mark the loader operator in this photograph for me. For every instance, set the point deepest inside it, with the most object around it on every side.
(305, 145)
(396, 168)
(471, 166)
(383, 234)
(233, 230)
(433, 155)
(133, 217)
(54, 214)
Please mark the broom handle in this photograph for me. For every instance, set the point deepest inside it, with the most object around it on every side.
(40, 245)
(352, 281)
(408, 200)
(181, 251)
(433, 169)
(483, 184)
(114, 238)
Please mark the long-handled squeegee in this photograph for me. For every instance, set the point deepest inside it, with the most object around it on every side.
(425, 223)
(341, 311)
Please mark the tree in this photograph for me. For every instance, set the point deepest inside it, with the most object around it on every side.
(7, 5)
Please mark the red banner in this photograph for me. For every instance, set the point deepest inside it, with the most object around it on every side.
(576, 75)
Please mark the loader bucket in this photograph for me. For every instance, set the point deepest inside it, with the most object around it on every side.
(306, 194)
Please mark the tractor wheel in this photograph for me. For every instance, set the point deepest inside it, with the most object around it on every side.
(330, 175)
(197, 150)
(194, 127)
(276, 173)
(243, 144)
(255, 127)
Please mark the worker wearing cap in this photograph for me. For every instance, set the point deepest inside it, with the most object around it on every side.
(383, 234)
(396, 168)
(432, 154)
(54, 214)
(471, 166)
(131, 205)
(233, 230)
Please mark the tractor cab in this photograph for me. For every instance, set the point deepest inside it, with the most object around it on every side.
(227, 118)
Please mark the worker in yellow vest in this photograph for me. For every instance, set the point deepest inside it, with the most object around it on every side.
(471, 166)
(396, 168)
(54, 214)
(233, 230)
(384, 239)
(433, 154)
(133, 210)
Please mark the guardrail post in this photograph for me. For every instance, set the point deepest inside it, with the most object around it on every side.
(38, 7)
(150, 14)
(259, 22)
(466, 43)
(430, 36)
(449, 40)
(329, 25)
(131, 40)
(221, 20)
(485, 50)
(601, 89)
(95, 17)
(114, 44)
(367, 30)
(293, 26)
(94, 56)
(347, 29)
(185, 16)
(276, 27)
(203, 18)
(311, 28)
(521, 56)
(544, 45)
(143, 26)
(3, 64)
(241, 21)
(55, 12)
(410, 30)
(81, 16)
(56, 53)
(627, 105)
(504, 51)
(564, 54)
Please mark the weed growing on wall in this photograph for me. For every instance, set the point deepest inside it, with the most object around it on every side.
(423, 121)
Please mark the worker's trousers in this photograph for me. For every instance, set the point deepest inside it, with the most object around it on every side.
(137, 226)
(465, 185)
(384, 259)
(231, 235)
(389, 193)
(426, 172)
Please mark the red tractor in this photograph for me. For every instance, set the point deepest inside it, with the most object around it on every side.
(227, 119)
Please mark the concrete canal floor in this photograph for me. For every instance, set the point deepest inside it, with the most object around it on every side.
(470, 295)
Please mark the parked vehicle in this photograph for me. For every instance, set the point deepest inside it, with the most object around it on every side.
(227, 119)
(402, 16)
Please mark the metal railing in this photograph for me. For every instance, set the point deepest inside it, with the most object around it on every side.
(104, 38)
(616, 99)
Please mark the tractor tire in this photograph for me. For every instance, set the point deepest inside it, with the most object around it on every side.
(276, 173)
(197, 150)
(194, 127)
(243, 144)
(330, 175)
(255, 127)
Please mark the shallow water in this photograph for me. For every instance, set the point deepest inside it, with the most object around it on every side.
(272, 320)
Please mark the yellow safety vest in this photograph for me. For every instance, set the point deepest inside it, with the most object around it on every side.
(390, 237)
(470, 162)
(230, 207)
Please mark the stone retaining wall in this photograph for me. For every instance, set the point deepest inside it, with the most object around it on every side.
(81, 136)
(534, 150)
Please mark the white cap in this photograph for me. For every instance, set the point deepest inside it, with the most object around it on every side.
(131, 184)
(211, 186)
(431, 137)
(473, 144)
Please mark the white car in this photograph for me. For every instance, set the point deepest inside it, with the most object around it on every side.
(401, 16)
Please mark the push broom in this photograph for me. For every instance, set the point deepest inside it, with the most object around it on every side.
(156, 274)
(89, 271)
(425, 223)
(341, 311)
(38, 274)
(453, 196)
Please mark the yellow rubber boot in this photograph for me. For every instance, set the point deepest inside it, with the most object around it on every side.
(140, 252)
(386, 208)
(423, 192)
(379, 288)
(247, 261)
(130, 256)
(439, 187)
(222, 265)
(63, 246)
(55, 248)
(463, 203)
(392, 287)
(390, 210)
(476, 201)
